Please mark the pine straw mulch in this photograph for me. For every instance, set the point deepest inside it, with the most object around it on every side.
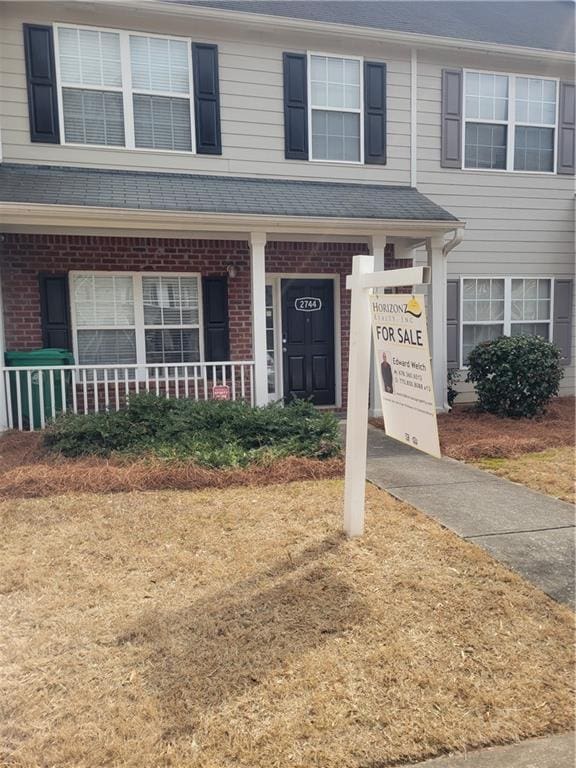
(467, 434)
(27, 470)
(238, 629)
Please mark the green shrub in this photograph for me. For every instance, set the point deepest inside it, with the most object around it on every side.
(212, 433)
(515, 376)
(453, 378)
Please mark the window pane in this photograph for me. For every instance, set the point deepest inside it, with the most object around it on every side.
(486, 96)
(97, 347)
(534, 149)
(102, 300)
(474, 334)
(335, 82)
(535, 100)
(335, 136)
(93, 117)
(161, 122)
(485, 146)
(159, 64)
(531, 299)
(530, 329)
(469, 289)
(170, 300)
(174, 345)
(89, 57)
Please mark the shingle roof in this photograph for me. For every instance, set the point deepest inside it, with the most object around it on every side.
(546, 24)
(51, 185)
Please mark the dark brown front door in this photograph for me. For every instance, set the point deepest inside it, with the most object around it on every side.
(308, 340)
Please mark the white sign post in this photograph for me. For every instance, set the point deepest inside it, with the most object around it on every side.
(360, 283)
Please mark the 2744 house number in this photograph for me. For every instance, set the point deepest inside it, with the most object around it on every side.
(308, 304)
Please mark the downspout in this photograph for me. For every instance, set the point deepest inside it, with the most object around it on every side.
(451, 244)
(413, 118)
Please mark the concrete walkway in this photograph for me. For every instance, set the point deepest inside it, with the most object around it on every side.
(551, 752)
(527, 531)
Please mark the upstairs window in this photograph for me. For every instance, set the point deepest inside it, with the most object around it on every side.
(91, 87)
(123, 89)
(510, 122)
(335, 93)
(161, 97)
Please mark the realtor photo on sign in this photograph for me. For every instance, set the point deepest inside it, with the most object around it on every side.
(405, 380)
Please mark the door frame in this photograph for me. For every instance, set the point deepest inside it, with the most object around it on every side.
(275, 279)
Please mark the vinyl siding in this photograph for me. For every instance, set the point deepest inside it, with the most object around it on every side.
(516, 223)
(252, 108)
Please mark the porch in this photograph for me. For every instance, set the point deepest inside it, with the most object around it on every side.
(238, 327)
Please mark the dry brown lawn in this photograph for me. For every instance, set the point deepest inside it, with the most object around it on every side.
(238, 629)
(552, 471)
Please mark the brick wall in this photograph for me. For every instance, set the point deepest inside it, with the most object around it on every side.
(23, 257)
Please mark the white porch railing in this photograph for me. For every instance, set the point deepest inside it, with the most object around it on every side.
(36, 395)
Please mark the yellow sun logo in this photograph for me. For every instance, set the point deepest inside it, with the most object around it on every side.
(413, 307)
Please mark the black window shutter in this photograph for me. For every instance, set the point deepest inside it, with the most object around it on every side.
(216, 324)
(453, 323)
(451, 129)
(374, 113)
(55, 312)
(41, 82)
(562, 328)
(295, 106)
(206, 99)
(567, 128)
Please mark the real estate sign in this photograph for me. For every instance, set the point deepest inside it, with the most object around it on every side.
(404, 370)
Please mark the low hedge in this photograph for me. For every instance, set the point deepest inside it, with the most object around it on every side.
(211, 433)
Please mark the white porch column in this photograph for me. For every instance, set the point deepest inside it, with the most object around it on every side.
(377, 250)
(3, 407)
(437, 310)
(258, 276)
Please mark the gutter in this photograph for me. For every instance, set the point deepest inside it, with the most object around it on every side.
(251, 20)
(21, 217)
(456, 240)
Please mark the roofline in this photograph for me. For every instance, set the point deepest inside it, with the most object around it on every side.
(22, 217)
(244, 18)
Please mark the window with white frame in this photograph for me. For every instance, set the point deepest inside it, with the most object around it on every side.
(124, 89)
(335, 88)
(509, 122)
(135, 318)
(511, 306)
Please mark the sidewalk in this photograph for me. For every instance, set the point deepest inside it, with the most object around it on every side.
(531, 533)
(551, 752)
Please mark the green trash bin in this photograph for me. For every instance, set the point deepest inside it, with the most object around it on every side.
(32, 394)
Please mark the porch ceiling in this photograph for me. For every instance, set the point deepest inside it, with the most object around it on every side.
(40, 196)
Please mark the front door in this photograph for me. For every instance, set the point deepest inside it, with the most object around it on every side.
(308, 340)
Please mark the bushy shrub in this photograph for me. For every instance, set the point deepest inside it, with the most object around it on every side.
(515, 376)
(212, 433)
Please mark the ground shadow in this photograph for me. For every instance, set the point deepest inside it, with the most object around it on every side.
(221, 647)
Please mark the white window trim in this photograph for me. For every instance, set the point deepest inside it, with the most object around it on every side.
(139, 326)
(507, 321)
(126, 89)
(511, 123)
(359, 111)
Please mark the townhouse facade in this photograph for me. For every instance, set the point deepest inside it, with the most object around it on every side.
(183, 186)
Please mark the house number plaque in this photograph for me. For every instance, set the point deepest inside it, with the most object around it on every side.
(308, 304)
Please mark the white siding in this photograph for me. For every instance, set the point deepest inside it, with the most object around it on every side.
(251, 100)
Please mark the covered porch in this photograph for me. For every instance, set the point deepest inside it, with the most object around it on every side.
(259, 267)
